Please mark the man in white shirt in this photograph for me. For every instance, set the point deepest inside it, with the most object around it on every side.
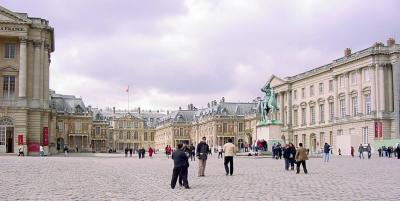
(229, 150)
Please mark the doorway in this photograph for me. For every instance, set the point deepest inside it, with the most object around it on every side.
(10, 140)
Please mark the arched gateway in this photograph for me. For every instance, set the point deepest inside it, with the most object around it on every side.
(6, 135)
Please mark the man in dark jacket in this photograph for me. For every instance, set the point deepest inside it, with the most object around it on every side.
(185, 149)
(180, 166)
(327, 148)
(202, 151)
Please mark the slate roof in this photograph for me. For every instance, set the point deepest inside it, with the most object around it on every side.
(67, 104)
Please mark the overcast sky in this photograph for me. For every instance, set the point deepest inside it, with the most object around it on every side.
(175, 52)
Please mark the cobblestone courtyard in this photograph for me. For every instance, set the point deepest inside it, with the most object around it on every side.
(114, 177)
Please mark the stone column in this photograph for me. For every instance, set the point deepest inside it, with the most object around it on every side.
(376, 92)
(46, 76)
(36, 70)
(22, 77)
(282, 109)
(347, 93)
(360, 93)
(381, 85)
(336, 92)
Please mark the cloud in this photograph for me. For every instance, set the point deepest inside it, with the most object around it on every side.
(185, 51)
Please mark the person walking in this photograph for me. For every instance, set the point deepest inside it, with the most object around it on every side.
(202, 151)
(340, 152)
(292, 155)
(286, 156)
(180, 166)
(327, 148)
(168, 151)
(219, 151)
(192, 152)
(229, 150)
(126, 151)
(185, 149)
(380, 152)
(65, 151)
(41, 151)
(369, 151)
(130, 152)
(352, 151)
(301, 157)
(150, 152)
(360, 151)
(21, 150)
(397, 150)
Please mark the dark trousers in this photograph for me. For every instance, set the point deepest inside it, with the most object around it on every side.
(228, 159)
(180, 172)
(303, 163)
(219, 154)
(185, 172)
(288, 162)
(369, 155)
(192, 157)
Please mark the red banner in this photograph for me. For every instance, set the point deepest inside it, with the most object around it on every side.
(20, 139)
(33, 146)
(45, 136)
(380, 129)
(376, 129)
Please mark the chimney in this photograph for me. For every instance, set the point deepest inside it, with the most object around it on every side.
(208, 105)
(139, 110)
(391, 42)
(167, 112)
(223, 99)
(347, 52)
(113, 110)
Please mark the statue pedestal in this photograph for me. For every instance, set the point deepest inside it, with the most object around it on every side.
(269, 131)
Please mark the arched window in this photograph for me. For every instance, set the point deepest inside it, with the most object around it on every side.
(6, 121)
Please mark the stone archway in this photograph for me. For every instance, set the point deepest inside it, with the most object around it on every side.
(6, 135)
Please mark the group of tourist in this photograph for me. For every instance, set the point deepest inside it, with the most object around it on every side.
(387, 151)
(181, 160)
(141, 152)
(277, 151)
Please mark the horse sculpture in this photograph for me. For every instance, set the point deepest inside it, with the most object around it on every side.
(268, 104)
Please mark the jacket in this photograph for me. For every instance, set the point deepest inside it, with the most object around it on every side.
(289, 153)
(301, 154)
(202, 150)
(180, 158)
(326, 148)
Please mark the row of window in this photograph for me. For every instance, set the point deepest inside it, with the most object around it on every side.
(353, 78)
(321, 139)
(229, 128)
(364, 137)
(135, 136)
(342, 106)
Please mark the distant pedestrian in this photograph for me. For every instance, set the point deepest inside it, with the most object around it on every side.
(369, 151)
(192, 152)
(202, 151)
(352, 151)
(380, 151)
(143, 152)
(301, 157)
(76, 147)
(41, 150)
(286, 156)
(219, 151)
(340, 152)
(126, 151)
(292, 155)
(390, 151)
(361, 151)
(21, 150)
(327, 148)
(180, 166)
(185, 149)
(66, 151)
(130, 152)
(150, 152)
(229, 150)
(168, 151)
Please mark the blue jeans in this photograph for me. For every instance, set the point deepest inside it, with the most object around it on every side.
(361, 155)
(286, 164)
(326, 157)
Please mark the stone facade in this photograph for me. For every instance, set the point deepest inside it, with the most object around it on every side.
(353, 100)
(26, 44)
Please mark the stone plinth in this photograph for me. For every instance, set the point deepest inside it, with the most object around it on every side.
(269, 131)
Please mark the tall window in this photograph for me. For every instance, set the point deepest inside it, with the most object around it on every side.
(341, 81)
(295, 94)
(295, 116)
(145, 136)
(321, 88)
(366, 75)
(331, 138)
(135, 135)
(331, 111)
(321, 138)
(120, 124)
(321, 113)
(2, 135)
(304, 140)
(8, 86)
(353, 78)
(9, 51)
(354, 102)
(120, 135)
(224, 127)
(342, 108)
(152, 136)
(180, 131)
(240, 127)
(77, 126)
(367, 104)
(303, 116)
(312, 113)
(97, 132)
(128, 135)
(296, 140)
(303, 92)
(312, 90)
(60, 126)
(330, 85)
(339, 132)
(365, 133)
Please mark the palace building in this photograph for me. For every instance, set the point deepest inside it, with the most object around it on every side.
(353, 100)
(26, 44)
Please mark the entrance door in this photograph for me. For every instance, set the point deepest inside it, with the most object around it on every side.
(10, 140)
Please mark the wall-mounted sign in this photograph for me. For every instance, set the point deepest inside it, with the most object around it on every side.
(20, 139)
(18, 29)
(45, 136)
